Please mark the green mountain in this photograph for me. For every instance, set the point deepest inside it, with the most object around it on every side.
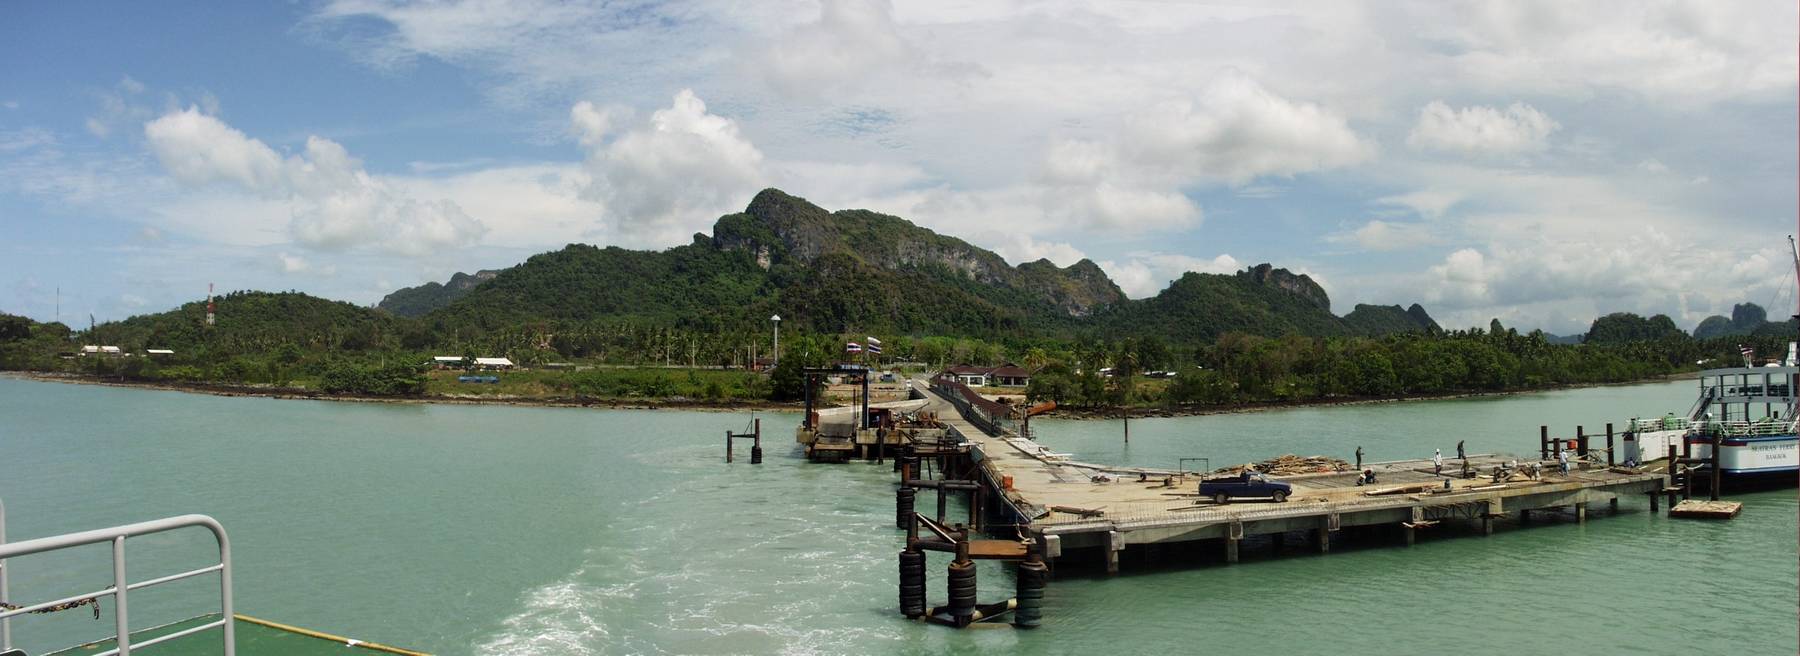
(857, 270)
(1622, 327)
(254, 322)
(1385, 319)
(1746, 319)
(416, 301)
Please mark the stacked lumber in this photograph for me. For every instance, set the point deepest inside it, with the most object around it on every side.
(1288, 465)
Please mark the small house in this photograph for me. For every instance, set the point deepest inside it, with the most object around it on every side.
(1009, 375)
(494, 364)
(968, 375)
(1006, 375)
(159, 353)
(447, 361)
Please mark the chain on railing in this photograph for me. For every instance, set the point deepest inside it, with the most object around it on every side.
(121, 587)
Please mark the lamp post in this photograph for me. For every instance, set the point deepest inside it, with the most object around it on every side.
(776, 359)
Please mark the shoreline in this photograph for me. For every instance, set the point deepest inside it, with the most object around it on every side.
(1073, 414)
(1100, 414)
(294, 393)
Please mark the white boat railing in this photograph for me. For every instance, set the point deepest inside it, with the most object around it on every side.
(1761, 428)
(121, 586)
(1658, 424)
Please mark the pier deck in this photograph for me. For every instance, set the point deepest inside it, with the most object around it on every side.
(1134, 512)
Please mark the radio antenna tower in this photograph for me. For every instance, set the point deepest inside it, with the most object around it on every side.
(209, 304)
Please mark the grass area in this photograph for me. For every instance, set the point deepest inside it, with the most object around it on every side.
(608, 384)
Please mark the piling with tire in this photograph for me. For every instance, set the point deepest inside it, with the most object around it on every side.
(912, 584)
(903, 506)
(962, 592)
(756, 455)
(1033, 575)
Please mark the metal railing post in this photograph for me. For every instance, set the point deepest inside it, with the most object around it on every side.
(121, 585)
(120, 618)
(5, 622)
(230, 617)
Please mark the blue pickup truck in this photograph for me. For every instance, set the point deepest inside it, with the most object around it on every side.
(1247, 484)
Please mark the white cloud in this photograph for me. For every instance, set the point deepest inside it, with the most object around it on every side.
(1427, 203)
(1648, 273)
(673, 174)
(530, 207)
(119, 106)
(1652, 165)
(852, 42)
(1236, 131)
(1145, 273)
(334, 203)
(1378, 235)
(1481, 130)
(1689, 52)
(291, 263)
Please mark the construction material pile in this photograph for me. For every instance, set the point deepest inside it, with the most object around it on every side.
(1289, 465)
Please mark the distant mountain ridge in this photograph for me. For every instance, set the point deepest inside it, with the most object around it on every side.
(1746, 319)
(854, 270)
(416, 301)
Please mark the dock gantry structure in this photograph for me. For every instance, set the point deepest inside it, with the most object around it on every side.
(1047, 507)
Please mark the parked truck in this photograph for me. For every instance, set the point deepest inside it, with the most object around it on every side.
(1246, 485)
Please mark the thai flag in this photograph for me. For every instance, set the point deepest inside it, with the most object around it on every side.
(853, 347)
(874, 346)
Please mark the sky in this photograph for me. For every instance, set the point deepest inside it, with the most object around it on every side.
(1537, 162)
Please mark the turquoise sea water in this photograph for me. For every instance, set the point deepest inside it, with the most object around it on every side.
(499, 530)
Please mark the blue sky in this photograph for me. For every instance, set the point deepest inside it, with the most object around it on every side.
(1538, 162)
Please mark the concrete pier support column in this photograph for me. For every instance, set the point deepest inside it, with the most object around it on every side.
(1581, 512)
(1231, 550)
(1487, 525)
(1613, 505)
(1411, 534)
(1324, 540)
(1115, 543)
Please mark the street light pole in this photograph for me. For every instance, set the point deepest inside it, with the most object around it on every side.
(776, 359)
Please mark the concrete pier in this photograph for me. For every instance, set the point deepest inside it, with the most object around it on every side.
(1068, 505)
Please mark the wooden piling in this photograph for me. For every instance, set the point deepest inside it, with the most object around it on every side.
(727, 447)
(1581, 441)
(756, 443)
(1718, 471)
(1609, 446)
(1543, 442)
(1674, 461)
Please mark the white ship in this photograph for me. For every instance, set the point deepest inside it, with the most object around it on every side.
(1753, 412)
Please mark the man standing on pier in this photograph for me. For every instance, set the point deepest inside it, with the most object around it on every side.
(1437, 461)
(1562, 458)
(1359, 457)
(1459, 450)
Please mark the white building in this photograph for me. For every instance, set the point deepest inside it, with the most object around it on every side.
(492, 364)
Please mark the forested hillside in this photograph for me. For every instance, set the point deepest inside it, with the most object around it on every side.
(856, 270)
(416, 301)
(1264, 333)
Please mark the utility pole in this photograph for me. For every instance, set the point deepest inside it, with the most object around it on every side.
(776, 358)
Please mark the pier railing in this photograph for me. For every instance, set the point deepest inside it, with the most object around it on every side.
(994, 418)
(122, 586)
